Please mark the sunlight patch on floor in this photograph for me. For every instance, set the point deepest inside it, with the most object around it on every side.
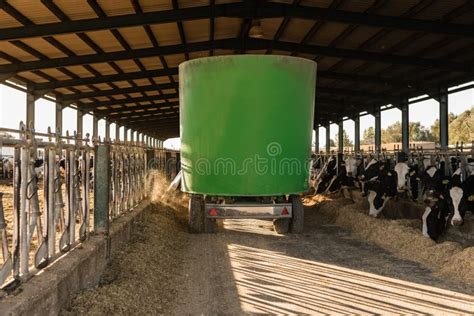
(272, 282)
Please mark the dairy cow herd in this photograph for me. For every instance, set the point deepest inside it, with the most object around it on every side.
(445, 184)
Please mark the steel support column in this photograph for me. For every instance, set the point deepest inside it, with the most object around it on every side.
(316, 140)
(79, 125)
(125, 134)
(378, 131)
(357, 133)
(59, 116)
(340, 137)
(117, 133)
(101, 188)
(95, 128)
(30, 107)
(328, 138)
(107, 131)
(405, 127)
(443, 118)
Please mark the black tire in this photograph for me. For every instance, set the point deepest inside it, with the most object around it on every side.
(297, 220)
(196, 214)
(210, 225)
(281, 225)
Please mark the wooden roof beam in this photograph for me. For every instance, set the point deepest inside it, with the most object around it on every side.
(232, 43)
(241, 10)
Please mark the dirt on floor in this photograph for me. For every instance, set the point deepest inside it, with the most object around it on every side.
(402, 237)
(142, 277)
(247, 268)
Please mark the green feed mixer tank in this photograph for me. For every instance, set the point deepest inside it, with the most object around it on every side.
(246, 126)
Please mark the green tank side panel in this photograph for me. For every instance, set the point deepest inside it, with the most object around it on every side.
(246, 124)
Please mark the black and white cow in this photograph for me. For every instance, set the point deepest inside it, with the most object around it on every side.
(7, 168)
(435, 197)
(381, 188)
(325, 177)
(369, 173)
(461, 192)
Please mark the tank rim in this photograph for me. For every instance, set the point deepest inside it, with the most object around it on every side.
(246, 56)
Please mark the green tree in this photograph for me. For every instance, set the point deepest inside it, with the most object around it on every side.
(418, 132)
(368, 137)
(434, 129)
(392, 134)
(346, 140)
(460, 128)
(332, 143)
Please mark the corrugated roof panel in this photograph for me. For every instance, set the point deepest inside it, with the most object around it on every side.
(143, 82)
(75, 44)
(35, 11)
(116, 7)
(127, 65)
(226, 1)
(174, 60)
(56, 74)
(33, 77)
(104, 68)
(151, 93)
(161, 79)
(192, 3)
(122, 84)
(6, 21)
(136, 37)
(80, 71)
(76, 9)
(281, 52)
(16, 52)
(327, 33)
(155, 5)
(355, 39)
(296, 30)
(135, 95)
(151, 63)
(166, 34)
(356, 6)
(227, 27)
(270, 27)
(105, 40)
(314, 3)
(197, 30)
(194, 55)
(44, 47)
(438, 9)
(103, 86)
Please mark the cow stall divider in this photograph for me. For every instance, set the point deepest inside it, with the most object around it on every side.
(416, 154)
(52, 211)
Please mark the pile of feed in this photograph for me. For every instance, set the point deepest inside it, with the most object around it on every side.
(141, 278)
(402, 237)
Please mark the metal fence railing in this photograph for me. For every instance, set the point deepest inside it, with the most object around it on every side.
(49, 198)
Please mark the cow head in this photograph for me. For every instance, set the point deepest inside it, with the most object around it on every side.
(402, 170)
(351, 165)
(470, 166)
(456, 194)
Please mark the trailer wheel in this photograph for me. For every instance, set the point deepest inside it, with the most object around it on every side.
(210, 224)
(196, 214)
(281, 225)
(297, 220)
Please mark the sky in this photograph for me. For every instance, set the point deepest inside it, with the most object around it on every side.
(13, 110)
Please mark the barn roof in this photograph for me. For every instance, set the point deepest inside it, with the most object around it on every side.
(119, 58)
